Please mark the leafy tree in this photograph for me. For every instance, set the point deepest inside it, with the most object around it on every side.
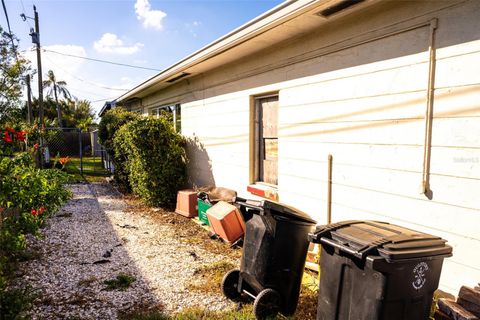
(56, 88)
(12, 69)
(76, 113)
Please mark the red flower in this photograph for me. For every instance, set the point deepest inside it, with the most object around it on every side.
(64, 160)
(10, 130)
(20, 135)
(41, 210)
(34, 212)
(35, 146)
(6, 137)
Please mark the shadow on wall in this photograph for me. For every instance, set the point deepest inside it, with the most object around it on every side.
(199, 165)
(339, 46)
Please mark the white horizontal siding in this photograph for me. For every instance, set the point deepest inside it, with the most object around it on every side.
(365, 105)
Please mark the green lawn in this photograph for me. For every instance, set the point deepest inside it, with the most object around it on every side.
(92, 169)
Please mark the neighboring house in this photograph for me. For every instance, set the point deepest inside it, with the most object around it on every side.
(106, 106)
(390, 89)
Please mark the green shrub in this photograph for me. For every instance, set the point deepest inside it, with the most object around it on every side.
(27, 196)
(155, 156)
(121, 282)
(110, 123)
(15, 302)
(25, 187)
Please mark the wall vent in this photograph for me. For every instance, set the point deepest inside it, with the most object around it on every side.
(341, 6)
(180, 76)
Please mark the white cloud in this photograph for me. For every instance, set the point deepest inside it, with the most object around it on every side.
(192, 27)
(110, 43)
(150, 18)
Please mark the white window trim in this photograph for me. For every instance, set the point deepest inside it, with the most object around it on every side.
(173, 106)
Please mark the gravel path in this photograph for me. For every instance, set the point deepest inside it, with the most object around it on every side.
(94, 238)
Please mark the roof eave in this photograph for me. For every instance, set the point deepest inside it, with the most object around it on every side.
(262, 23)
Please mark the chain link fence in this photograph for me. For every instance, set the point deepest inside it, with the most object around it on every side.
(99, 151)
(66, 142)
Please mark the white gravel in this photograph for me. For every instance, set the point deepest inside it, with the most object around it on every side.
(94, 223)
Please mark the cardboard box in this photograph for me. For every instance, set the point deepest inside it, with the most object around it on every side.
(226, 221)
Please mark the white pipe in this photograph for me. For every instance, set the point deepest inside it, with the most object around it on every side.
(427, 146)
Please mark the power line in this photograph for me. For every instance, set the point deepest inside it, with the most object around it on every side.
(102, 100)
(28, 22)
(99, 60)
(9, 29)
(83, 80)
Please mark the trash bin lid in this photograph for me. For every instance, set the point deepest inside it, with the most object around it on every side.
(281, 209)
(392, 242)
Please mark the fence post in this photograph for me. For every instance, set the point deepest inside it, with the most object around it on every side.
(81, 149)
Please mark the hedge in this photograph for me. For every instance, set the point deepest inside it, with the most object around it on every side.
(155, 159)
(110, 123)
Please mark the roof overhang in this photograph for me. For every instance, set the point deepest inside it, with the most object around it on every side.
(106, 106)
(290, 19)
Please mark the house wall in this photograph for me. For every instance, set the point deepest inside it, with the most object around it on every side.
(356, 89)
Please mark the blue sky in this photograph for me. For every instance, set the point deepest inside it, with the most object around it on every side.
(147, 33)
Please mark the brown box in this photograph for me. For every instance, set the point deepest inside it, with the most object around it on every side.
(187, 203)
(226, 221)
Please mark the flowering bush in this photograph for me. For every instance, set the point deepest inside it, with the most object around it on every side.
(27, 196)
(63, 161)
(11, 140)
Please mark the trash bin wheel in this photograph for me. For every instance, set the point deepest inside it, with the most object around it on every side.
(267, 304)
(230, 284)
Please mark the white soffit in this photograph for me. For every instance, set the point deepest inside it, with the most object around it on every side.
(288, 20)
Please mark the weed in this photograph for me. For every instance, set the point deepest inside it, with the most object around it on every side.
(149, 315)
(198, 313)
(122, 282)
(14, 303)
(87, 281)
(195, 313)
(211, 277)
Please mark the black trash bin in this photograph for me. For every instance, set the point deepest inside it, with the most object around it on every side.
(274, 252)
(375, 270)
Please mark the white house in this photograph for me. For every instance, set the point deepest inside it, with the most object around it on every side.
(390, 89)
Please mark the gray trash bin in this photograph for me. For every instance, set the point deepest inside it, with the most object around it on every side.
(375, 270)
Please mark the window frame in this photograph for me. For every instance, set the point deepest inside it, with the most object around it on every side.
(256, 138)
(174, 108)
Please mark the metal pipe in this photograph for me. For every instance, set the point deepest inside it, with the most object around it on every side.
(39, 65)
(29, 100)
(81, 152)
(427, 147)
(329, 190)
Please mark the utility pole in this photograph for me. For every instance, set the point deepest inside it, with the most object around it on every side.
(29, 100)
(36, 39)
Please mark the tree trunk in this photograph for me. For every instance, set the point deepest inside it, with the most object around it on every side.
(59, 111)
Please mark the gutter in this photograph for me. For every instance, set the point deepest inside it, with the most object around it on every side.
(231, 40)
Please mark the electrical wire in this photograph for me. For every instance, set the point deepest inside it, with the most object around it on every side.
(99, 60)
(108, 99)
(83, 80)
(28, 22)
(9, 30)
